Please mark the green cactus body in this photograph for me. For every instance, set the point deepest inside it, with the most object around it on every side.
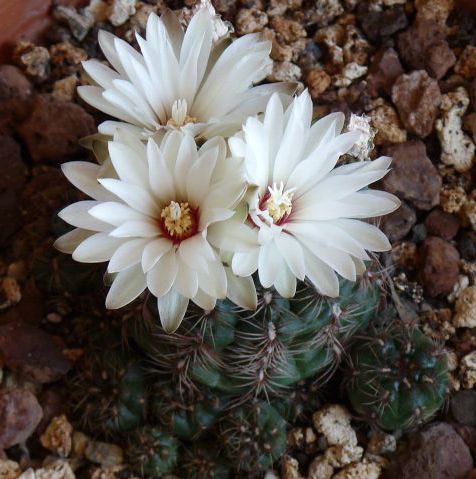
(254, 437)
(397, 378)
(152, 452)
(204, 461)
(185, 417)
(111, 392)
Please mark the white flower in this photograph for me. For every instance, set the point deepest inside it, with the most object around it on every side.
(181, 80)
(151, 221)
(303, 216)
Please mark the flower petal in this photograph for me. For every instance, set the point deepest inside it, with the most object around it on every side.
(127, 286)
(172, 307)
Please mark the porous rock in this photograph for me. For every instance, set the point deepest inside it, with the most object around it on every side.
(383, 71)
(398, 224)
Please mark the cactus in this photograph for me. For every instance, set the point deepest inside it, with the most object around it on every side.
(152, 452)
(110, 391)
(397, 378)
(263, 353)
(204, 462)
(253, 437)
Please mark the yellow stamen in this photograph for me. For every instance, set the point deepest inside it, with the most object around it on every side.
(177, 219)
(279, 203)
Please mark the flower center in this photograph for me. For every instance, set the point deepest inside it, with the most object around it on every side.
(179, 114)
(279, 203)
(179, 221)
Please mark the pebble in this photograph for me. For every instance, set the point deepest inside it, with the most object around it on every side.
(472, 93)
(13, 168)
(414, 42)
(32, 352)
(333, 421)
(467, 245)
(15, 97)
(439, 266)
(10, 215)
(284, 71)
(452, 199)
(383, 71)
(463, 407)
(103, 453)
(360, 470)
(413, 176)
(379, 24)
(435, 10)
(467, 370)
(9, 469)
(325, 11)
(79, 24)
(250, 20)
(398, 224)
(436, 323)
(318, 81)
(10, 293)
(442, 224)
(290, 468)
(288, 30)
(34, 60)
(466, 64)
(121, 11)
(465, 309)
(58, 436)
(417, 98)
(387, 123)
(65, 88)
(457, 147)
(439, 59)
(54, 128)
(436, 452)
(20, 414)
(56, 470)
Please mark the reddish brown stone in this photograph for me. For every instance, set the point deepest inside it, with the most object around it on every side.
(413, 177)
(378, 24)
(414, 42)
(54, 128)
(468, 433)
(384, 70)
(20, 413)
(437, 452)
(472, 92)
(439, 266)
(442, 224)
(417, 98)
(10, 215)
(439, 59)
(398, 224)
(11, 163)
(15, 97)
(32, 352)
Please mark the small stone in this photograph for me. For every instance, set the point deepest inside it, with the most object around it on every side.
(340, 456)
(65, 89)
(413, 176)
(414, 42)
(284, 71)
(79, 24)
(467, 370)
(32, 352)
(442, 224)
(387, 123)
(10, 293)
(121, 11)
(465, 309)
(467, 245)
(54, 128)
(10, 215)
(439, 266)
(437, 452)
(288, 30)
(15, 97)
(365, 144)
(28, 474)
(34, 60)
(325, 11)
(334, 422)
(290, 468)
(250, 20)
(469, 124)
(439, 59)
(434, 10)
(56, 470)
(463, 407)
(417, 98)
(349, 73)
(20, 413)
(320, 469)
(379, 24)
(383, 71)
(472, 93)
(318, 81)
(461, 284)
(279, 7)
(466, 64)
(452, 199)
(356, 48)
(382, 443)
(360, 470)
(103, 453)
(13, 168)
(436, 323)
(79, 444)
(57, 437)
(9, 469)
(457, 147)
(404, 255)
(398, 224)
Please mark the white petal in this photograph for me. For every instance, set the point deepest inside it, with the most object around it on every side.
(162, 276)
(154, 251)
(127, 286)
(269, 264)
(322, 276)
(369, 236)
(285, 282)
(245, 264)
(196, 252)
(97, 248)
(70, 241)
(204, 300)
(137, 228)
(172, 308)
(160, 178)
(129, 166)
(232, 236)
(292, 253)
(127, 255)
(78, 215)
(186, 281)
(116, 213)
(241, 291)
